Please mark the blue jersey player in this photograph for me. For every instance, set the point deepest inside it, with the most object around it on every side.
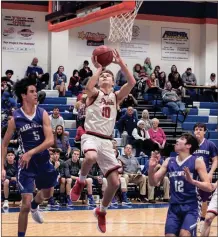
(208, 150)
(35, 137)
(183, 171)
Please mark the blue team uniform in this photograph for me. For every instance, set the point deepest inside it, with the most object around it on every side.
(183, 211)
(207, 150)
(40, 169)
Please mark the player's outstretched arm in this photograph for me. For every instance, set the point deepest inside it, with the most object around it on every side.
(6, 141)
(49, 137)
(125, 89)
(155, 177)
(214, 166)
(204, 184)
(90, 86)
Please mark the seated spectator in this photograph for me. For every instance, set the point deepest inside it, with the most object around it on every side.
(62, 142)
(74, 84)
(172, 100)
(127, 123)
(189, 78)
(162, 80)
(142, 140)
(60, 80)
(11, 174)
(211, 94)
(145, 118)
(157, 71)
(147, 66)
(140, 77)
(176, 81)
(165, 182)
(80, 110)
(72, 169)
(9, 73)
(129, 101)
(152, 85)
(132, 173)
(121, 78)
(85, 73)
(60, 168)
(158, 136)
(42, 77)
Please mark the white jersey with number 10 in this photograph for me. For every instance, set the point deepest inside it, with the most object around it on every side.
(101, 114)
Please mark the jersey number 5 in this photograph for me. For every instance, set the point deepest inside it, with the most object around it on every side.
(36, 135)
(106, 112)
(179, 186)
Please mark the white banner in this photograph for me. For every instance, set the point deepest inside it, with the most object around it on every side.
(139, 46)
(18, 34)
(175, 44)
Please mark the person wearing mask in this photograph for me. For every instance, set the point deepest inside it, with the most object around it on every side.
(85, 73)
(60, 79)
(74, 84)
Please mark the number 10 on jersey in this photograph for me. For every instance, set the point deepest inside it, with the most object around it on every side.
(106, 112)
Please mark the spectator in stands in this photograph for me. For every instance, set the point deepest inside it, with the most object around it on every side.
(141, 77)
(127, 123)
(62, 142)
(176, 80)
(165, 182)
(129, 101)
(152, 85)
(211, 94)
(60, 168)
(42, 77)
(56, 119)
(189, 78)
(74, 84)
(9, 73)
(72, 169)
(172, 100)
(147, 66)
(132, 173)
(60, 79)
(11, 174)
(157, 71)
(79, 110)
(145, 118)
(121, 78)
(85, 73)
(142, 140)
(162, 80)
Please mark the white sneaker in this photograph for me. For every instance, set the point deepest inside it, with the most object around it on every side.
(200, 226)
(36, 215)
(6, 204)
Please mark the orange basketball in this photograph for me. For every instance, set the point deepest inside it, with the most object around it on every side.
(104, 55)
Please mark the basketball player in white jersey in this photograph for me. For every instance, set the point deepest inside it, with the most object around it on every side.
(100, 120)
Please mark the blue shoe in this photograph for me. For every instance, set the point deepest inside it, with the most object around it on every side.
(69, 202)
(125, 200)
(114, 201)
(91, 201)
(52, 202)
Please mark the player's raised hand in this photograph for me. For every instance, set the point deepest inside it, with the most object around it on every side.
(95, 62)
(153, 161)
(188, 175)
(25, 159)
(117, 59)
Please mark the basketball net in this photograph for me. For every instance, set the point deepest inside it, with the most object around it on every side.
(121, 25)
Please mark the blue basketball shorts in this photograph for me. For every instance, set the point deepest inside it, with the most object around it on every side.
(182, 216)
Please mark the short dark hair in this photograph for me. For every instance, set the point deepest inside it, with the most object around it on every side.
(189, 69)
(108, 71)
(21, 87)
(191, 140)
(200, 125)
(86, 62)
(212, 74)
(9, 71)
(10, 151)
(56, 108)
(127, 145)
(56, 150)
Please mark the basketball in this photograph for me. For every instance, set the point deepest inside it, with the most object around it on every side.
(104, 55)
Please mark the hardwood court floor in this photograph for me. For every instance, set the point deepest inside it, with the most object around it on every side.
(120, 222)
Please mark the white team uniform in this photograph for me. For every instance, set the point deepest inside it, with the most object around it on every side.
(99, 125)
(213, 206)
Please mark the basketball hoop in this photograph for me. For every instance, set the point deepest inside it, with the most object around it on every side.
(121, 26)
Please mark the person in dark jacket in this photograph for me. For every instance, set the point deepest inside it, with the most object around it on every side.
(85, 73)
(75, 83)
(72, 170)
(11, 173)
(176, 80)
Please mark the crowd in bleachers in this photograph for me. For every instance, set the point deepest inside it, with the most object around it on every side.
(135, 135)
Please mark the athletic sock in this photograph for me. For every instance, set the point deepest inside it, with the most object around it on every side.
(21, 234)
(82, 179)
(202, 218)
(34, 204)
(102, 208)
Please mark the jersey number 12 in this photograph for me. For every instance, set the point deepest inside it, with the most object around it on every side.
(179, 186)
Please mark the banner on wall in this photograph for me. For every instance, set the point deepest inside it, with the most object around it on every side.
(175, 44)
(18, 34)
(139, 46)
